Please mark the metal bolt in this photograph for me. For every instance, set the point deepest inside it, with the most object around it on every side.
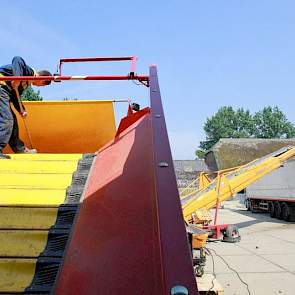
(158, 116)
(179, 290)
(163, 164)
(154, 90)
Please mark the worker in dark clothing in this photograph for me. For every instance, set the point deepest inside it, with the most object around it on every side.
(9, 132)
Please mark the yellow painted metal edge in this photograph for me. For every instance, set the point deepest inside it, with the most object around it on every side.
(32, 197)
(67, 102)
(16, 274)
(26, 166)
(47, 157)
(27, 217)
(22, 243)
(53, 181)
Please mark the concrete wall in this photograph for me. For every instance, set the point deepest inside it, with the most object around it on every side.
(188, 170)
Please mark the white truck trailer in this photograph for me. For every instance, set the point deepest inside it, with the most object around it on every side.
(274, 193)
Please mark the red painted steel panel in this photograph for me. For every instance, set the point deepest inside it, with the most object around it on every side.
(115, 243)
(130, 119)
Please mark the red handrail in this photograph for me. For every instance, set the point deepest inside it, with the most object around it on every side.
(66, 78)
(95, 59)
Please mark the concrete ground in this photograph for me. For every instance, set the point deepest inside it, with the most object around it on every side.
(264, 258)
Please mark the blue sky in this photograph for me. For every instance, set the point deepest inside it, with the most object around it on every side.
(209, 53)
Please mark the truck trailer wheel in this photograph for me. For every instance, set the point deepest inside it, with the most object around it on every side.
(285, 212)
(278, 210)
(253, 206)
(272, 209)
(247, 203)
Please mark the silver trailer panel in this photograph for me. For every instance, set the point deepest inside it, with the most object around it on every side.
(278, 185)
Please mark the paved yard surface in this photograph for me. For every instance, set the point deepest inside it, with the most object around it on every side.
(264, 259)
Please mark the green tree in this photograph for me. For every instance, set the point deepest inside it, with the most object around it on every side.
(31, 94)
(228, 123)
(272, 123)
(200, 154)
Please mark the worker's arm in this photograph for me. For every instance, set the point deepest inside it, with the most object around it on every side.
(20, 68)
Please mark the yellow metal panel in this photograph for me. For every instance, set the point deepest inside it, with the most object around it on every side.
(16, 274)
(45, 181)
(22, 243)
(32, 197)
(26, 166)
(46, 157)
(30, 186)
(27, 218)
(69, 126)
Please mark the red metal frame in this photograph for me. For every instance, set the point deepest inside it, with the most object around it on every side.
(140, 78)
(131, 76)
(129, 236)
(217, 228)
(133, 60)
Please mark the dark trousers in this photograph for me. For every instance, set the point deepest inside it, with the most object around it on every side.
(9, 132)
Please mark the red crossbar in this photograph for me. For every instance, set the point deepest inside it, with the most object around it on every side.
(66, 78)
(131, 75)
(94, 59)
(88, 59)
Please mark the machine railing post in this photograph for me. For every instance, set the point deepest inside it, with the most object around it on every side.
(218, 187)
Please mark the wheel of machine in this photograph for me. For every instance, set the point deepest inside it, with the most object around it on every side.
(199, 270)
(285, 212)
(278, 210)
(272, 209)
(231, 234)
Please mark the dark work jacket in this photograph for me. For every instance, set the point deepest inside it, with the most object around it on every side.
(18, 67)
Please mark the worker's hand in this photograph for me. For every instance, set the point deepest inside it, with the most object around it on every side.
(15, 84)
(24, 114)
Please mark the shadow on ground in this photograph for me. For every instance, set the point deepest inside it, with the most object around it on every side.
(259, 217)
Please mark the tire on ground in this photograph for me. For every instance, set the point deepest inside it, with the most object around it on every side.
(252, 204)
(247, 203)
(272, 209)
(285, 212)
(278, 210)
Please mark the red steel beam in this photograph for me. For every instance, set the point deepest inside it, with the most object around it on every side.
(176, 255)
(89, 59)
(67, 78)
(133, 64)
